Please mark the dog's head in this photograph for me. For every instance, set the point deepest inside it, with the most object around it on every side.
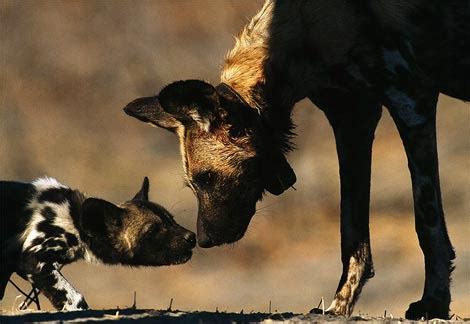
(137, 232)
(228, 157)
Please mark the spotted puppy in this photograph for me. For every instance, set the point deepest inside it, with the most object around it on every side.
(46, 224)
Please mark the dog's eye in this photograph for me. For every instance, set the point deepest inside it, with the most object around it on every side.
(204, 179)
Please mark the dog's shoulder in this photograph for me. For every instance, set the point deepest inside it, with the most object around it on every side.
(48, 229)
(55, 212)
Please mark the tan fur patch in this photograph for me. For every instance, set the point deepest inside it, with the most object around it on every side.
(264, 48)
(215, 151)
(135, 226)
(243, 69)
(344, 298)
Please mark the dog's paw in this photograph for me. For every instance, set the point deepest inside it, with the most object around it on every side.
(427, 309)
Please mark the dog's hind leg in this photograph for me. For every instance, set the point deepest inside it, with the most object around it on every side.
(421, 149)
(354, 121)
(411, 98)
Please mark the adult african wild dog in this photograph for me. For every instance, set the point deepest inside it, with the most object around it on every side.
(46, 224)
(349, 58)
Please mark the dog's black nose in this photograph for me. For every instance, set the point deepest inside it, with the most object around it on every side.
(204, 241)
(190, 237)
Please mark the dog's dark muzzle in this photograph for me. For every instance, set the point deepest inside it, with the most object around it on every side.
(208, 236)
(204, 241)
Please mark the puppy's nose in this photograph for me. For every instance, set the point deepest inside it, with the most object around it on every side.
(190, 237)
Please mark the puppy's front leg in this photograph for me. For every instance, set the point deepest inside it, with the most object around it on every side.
(57, 289)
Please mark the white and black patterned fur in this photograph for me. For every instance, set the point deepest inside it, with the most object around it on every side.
(46, 224)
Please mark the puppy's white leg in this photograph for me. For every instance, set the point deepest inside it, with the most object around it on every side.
(57, 289)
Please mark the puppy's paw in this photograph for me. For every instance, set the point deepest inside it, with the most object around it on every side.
(75, 305)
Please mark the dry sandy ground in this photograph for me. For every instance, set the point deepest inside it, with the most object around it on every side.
(130, 315)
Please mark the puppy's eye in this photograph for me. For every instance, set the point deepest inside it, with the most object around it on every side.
(152, 230)
(204, 179)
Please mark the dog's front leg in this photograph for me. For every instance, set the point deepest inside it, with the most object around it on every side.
(354, 122)
(39, 264)
(61, 294)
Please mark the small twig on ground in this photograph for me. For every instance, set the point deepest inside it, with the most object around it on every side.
(134, 305)
(115, 316)
(25, 303)
(33, 296)
(171, 303)
(269, 307)
(385, 313)
(14, 303)
(322, 304)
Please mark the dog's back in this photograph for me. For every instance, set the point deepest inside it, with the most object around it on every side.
(14, 216)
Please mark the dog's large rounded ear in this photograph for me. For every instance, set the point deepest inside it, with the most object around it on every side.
(149, 110)
(279, 176)
(143, 193)
(99, 217)
(192, 102)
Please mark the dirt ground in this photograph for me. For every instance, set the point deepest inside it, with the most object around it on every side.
(155, 316)
(67, 70)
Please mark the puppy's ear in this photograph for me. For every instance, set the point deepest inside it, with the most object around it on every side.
(279, 175)
(149, 110)
(143, 193)
(191, 102)
(100, 217)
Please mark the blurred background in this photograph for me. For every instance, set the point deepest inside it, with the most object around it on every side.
(67, 70)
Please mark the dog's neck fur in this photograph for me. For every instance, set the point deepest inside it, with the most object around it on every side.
(252, 72)
(263, 72)
(244, 67)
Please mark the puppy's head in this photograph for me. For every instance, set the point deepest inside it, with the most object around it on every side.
(137, 232)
